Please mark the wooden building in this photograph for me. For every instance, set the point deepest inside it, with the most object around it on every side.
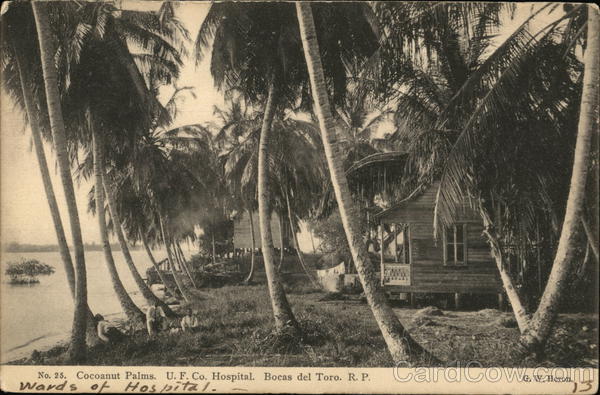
(458, 262)
(242, 238)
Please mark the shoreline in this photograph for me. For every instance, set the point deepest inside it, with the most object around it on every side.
(47, 342)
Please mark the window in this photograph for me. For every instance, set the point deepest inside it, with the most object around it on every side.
(398, 249)
(455, 245)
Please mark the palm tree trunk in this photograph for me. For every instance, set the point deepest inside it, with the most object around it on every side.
(281, 250)
(185, 265)
(281, 308)
(295, 241)
(401, 346)
(151, 299)
(133, 313)
(77, 350)
(592, 239)
(45, 174)
(519, 310)
(178, 281)
(34, 124)
(251, 273)
(541, 323)
(214, 249)
(166, 283)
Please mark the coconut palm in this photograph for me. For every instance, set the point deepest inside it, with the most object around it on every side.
(401, 346)
(77, 348)
(134, 314)
(254, 30)
(267, 65)
(447, 99)
(541, 323)
(19, 78)
(151, 299)
(105, 63)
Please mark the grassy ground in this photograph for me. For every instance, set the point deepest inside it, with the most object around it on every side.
(236, 325)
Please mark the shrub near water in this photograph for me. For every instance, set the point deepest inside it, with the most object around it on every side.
(27, 271)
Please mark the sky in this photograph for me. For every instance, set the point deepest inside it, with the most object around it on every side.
(24, 213)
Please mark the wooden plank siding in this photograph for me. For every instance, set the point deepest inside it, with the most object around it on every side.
(242, 237)
(428, 272)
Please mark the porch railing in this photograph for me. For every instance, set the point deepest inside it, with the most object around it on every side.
(396, 274)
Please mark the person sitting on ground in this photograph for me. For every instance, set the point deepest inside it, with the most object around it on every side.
(189, 322)
(107, 332)
(155, 319)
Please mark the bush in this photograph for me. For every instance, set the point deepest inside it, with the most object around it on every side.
(26, 271)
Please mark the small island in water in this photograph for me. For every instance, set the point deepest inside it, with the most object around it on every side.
(27, 271)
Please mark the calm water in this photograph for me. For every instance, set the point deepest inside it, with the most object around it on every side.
(38, 316)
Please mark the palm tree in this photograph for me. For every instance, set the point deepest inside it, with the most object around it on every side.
(281, 308)
(129, 307)
(401, 346)
(254, 46)
(161, 275)
(541, 323)
(34, 123)
(77, 350)
(18, 79)
(151, 299)
(167, 241)
(448, 108)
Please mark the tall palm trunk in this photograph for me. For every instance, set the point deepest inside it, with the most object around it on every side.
(295, 240)
(519, 310)
(281, 308)
(182, 290)
(184, 264)
(77, 350)
(166, 283)
(34, 124)
(129, 308)
(151, 299)
(541, 323)
(401, 346)
(38, 144)
(251, 273)
(175, 271)
(281, 249)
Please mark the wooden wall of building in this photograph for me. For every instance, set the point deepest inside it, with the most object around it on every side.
(242, 237)
(428, 272)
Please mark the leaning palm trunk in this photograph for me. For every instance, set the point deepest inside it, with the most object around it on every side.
(77, 350)
(281, 250)
(519, 310)
(281, 308)
(295, 241)
(541, 323)
(251, 273)
(166, 283)
(34, 124)
(592, 238)
(134, 314)
(184, 264)
(214, 249)
(401, 346)
(178, 281)
(151, 299)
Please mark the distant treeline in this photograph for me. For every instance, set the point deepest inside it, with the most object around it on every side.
(17, 247)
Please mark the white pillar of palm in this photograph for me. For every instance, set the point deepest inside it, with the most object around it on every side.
(401, 346)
